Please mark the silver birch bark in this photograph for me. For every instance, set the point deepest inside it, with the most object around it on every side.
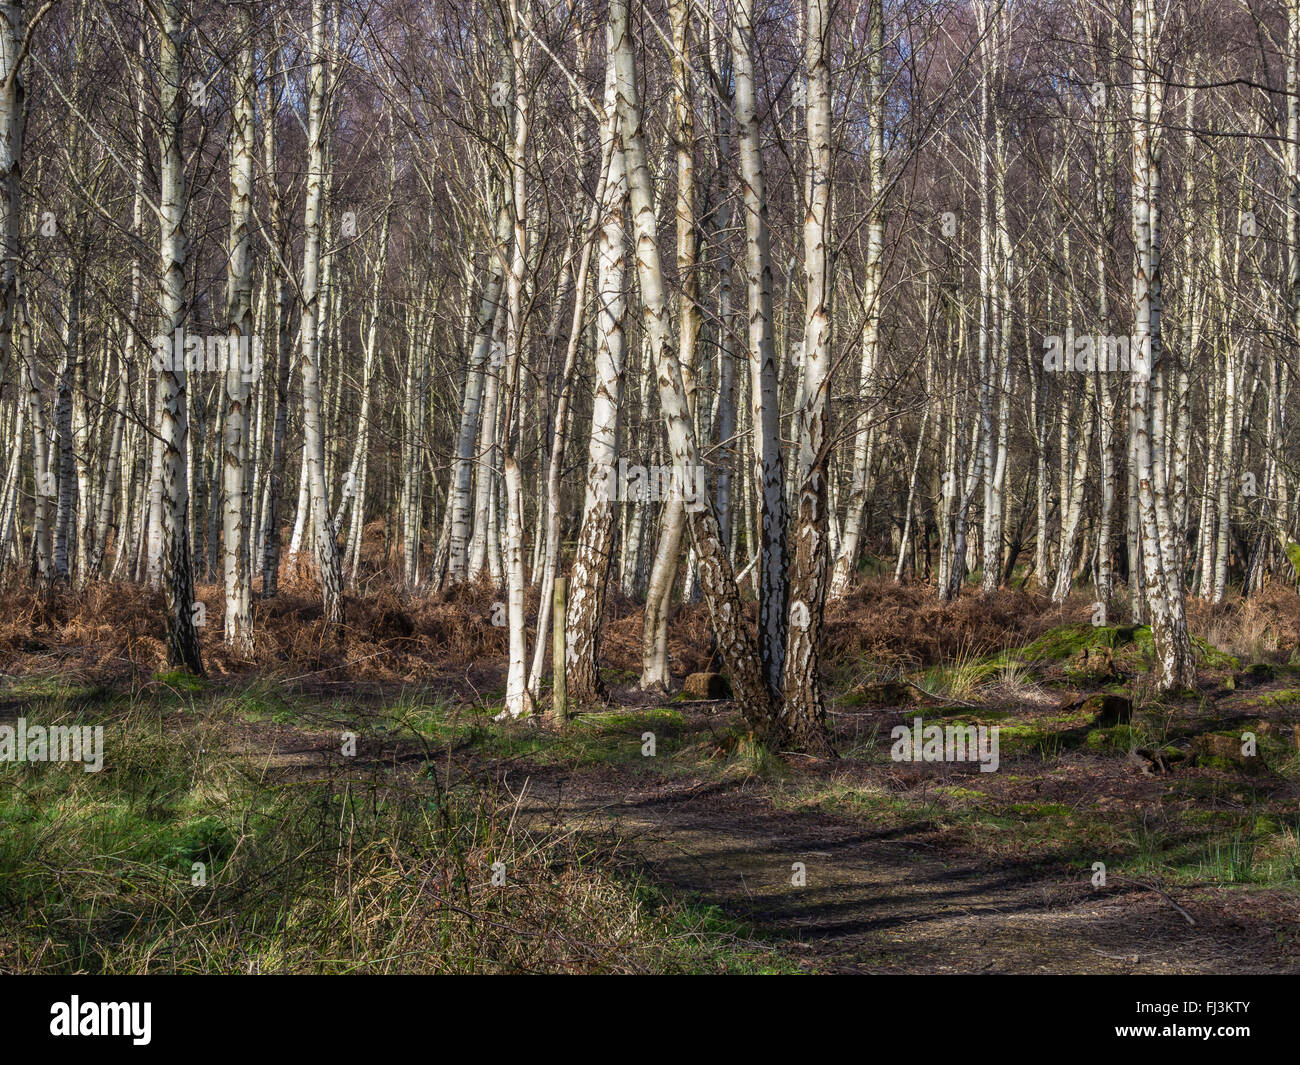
(42, 560)
(281, 354)
(326, 546)
(1162, 583)
(173, 428)
(864, 435)
(472, 413)
(802, 714)
(736, 645)
(239, 315)
(654, 638)
(518, 698)
(591, 562)
(764, 394)
(13, 115)
(563, 418)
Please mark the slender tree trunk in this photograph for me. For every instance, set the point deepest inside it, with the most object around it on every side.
(173, 429)
(864, 434)
(803, 715)
(764, 395)
(326, 544)
(591, 563)
(735, 643)
(282, 351)
(654, 639)
(239, 361)
(13, 117)
(518, 698)
(472, 413)
(1162, 583)
(42, 560)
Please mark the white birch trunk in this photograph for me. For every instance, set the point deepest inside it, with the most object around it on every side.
(735, 643)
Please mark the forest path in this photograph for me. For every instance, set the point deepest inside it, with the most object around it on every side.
(877, 901)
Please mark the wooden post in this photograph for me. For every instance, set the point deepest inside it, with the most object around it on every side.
(559, 694)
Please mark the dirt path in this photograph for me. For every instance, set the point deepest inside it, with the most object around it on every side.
(874, 900)
(879, 902)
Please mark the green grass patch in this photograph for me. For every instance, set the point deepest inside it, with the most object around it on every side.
(185, 856)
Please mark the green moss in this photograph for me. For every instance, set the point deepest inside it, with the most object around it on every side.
(1115, 738)
(1068, 640)
(1211, 657)
(1061, 644)
(181, 680)
(964, 794)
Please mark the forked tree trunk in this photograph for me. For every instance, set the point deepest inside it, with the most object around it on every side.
(591, 563)
(803, 715)
(462, 475)
(735, 643)
(654, 637)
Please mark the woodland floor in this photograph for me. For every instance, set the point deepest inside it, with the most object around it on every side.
(910, 867)
(933, 889)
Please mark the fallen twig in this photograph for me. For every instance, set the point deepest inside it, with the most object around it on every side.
(1163, 894)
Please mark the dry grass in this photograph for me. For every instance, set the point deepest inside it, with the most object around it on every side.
(115, 630)
(360, 870)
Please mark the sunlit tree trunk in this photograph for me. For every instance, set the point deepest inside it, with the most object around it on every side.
(803, 715)
(461, 499)
(591, 563)
(735, 644)
(173, 428)
(326, 545)
(654, 638)
(240, 356)
(518, 698)
(764, 394)
(1162, 583)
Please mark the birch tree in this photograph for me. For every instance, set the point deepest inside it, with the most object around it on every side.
(1162, 582)
(235, 543)
(764, 397)
(802, 714)
(735, 643)
(173, 429)
(325, 542)
(594, 555)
